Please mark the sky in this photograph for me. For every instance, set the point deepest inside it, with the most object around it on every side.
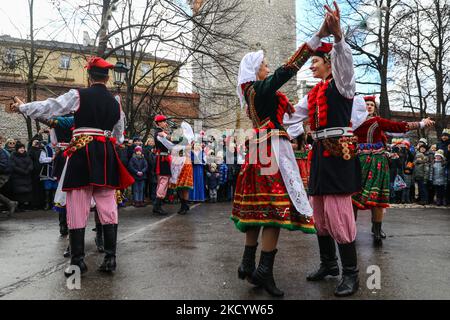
(45, 14)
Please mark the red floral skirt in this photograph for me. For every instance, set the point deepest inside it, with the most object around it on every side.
(262, 200)
(186, 178)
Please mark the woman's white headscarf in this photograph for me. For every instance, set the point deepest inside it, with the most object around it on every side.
(248, 70)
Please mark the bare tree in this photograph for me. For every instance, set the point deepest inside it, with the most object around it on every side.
(369, 28)
(436, 51)
(169, 34)
(27, 59)
(422, 45)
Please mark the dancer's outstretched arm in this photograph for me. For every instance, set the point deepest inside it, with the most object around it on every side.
(295, 62)
(52, 107)
(341, 55)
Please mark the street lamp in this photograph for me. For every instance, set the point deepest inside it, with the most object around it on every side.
(120, 71)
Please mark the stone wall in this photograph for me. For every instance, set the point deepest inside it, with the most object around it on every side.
(174, 104)
(270, 26)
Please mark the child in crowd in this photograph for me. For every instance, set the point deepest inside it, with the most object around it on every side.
(409, 180)
(421, 173)
(213, 181)
(438, 176)
(138, 168)
(223, 178)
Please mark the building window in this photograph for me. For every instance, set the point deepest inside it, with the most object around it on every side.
(65, 62)
(145, 69)
(10, 58)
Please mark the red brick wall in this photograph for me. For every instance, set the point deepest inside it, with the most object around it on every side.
(174, 104)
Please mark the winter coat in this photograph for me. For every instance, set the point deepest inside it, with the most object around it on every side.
(5, 163)
(34, 153)
(408, 178)
(421, 167)
(212, 179)
(223, 170)
(21, 167)
(152, 167)
(233, 171)
(437, 173)
(443, 145)
(122, 152)
(138, 164)
(130, 151)
(396, 167)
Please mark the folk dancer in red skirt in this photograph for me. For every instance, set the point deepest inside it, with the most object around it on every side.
(93, 169)
(271, 199)
(374, 161)
(182, 179)
(335, 171)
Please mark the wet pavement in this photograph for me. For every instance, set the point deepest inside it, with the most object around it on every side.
(196, 257)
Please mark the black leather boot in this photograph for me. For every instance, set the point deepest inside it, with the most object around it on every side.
(247, 266)
(349, 283)
(377, 242)
(47, 200)
(63, 229)
(67, 252)
(99, 237)
(382, 234)
(76, 239)
(263, 275)
(110, 234)
(184, 207)
(12, 205)
(158, 209)
(328, 260)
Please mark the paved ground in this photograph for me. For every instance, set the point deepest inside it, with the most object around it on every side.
(196, 257)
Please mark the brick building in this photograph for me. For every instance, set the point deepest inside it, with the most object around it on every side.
(60, 67)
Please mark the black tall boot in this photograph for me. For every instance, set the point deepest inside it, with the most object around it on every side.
(382, 234)
(110, 234)
(158, 209)
(12, 205)
(76, 239)
(99, 237)
(377, 242)
(349, 283)
(263, 275)
(63, 229)
(66, 253)
(247, 266)
(47, 200)
(328, 260)
(184, 207)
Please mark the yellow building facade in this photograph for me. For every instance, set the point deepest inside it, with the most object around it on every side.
(63, 64)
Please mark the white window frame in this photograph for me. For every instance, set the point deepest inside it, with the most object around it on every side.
(64, 62)
(10, 57)
(145, 68)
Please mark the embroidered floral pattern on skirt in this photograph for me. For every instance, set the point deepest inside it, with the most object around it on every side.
(375, 181)
(262, 200)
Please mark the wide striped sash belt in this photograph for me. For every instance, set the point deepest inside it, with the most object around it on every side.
(337, 142)
(83, 136)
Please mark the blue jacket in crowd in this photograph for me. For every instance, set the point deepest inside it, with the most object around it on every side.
(136, 164)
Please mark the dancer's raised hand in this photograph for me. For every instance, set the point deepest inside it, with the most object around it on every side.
(333, 19)
(323, 31)
(428, 122)
(14, 107)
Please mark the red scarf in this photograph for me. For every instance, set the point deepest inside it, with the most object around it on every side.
(317, 103)
(284, 106)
